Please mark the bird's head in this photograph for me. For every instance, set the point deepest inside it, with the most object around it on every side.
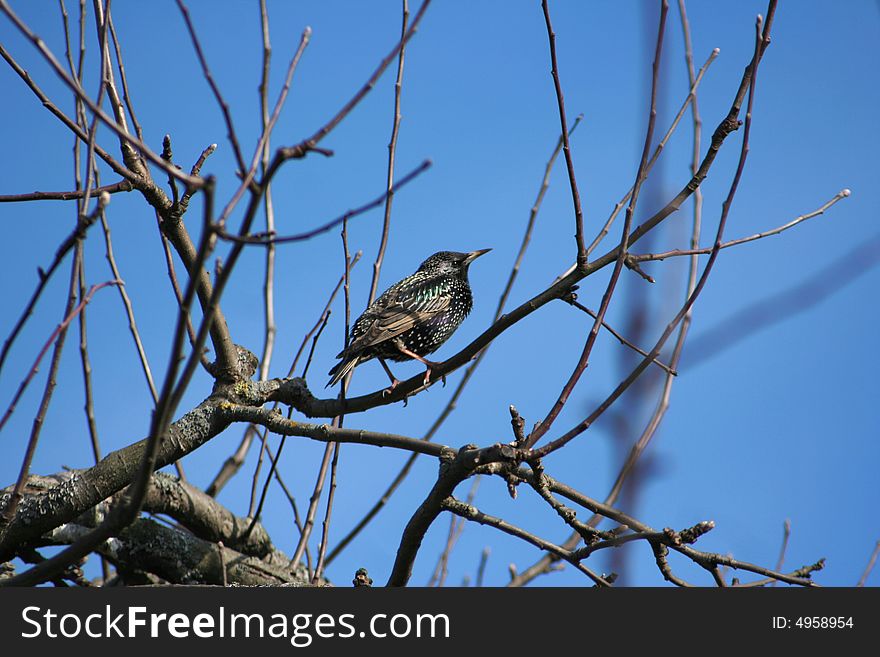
(450, 262)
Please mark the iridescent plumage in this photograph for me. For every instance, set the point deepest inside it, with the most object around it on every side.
(413, 317)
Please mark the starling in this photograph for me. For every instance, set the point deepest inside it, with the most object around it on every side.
(413, 317)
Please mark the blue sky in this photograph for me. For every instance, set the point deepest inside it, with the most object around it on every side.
(779, 425)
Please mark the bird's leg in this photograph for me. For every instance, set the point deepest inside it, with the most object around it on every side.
(429, 364)
(394, 381)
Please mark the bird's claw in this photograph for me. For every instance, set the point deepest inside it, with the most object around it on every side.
(390, 389)
(427, 379)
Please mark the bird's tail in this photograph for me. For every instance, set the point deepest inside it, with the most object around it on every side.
(342, 368)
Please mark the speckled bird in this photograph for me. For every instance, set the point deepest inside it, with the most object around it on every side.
(413, 317)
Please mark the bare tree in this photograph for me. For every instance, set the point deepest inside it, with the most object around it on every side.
(149, 526)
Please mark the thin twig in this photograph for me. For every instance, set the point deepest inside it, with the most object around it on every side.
(73, 195)
(247, 177)
(309, 144)
(392, 148)
(566, 147)
(456, 527)
(481, 569)
(268, 208)
(707, 560)
(35, 367)
(122, 78)
(313, 505)
(293, 505)
(338, 421)
(346, 109)
(661, 552)
(325, 533)
(663, 366)
(842, 194)
(75, 236)
(870, 566)
(472, 513)
(57, 337)
(786, 533)
(332, 447)
(87, 367)
(129, 311)
(206, 72)
(326, 318)
(266, 240)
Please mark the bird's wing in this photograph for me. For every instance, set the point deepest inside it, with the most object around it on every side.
(400, 315)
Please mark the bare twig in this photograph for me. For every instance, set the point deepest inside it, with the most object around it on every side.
(545, 564)
(707, 560)
(325, 318)
(266, 240)
(129, 311)
(472, 513)
(481, 569)
(57, 336)
(206, 72)
(69, 316)
(456, 527)
(338, 421)
(566, 147)
(661, 552)
(325, 533)
(842, 194)
(75, 236)
(73, 195)
(346, 109)
(786, 533)
(268, 207)
(332, 447)
(123, 79)
(870, 566)
(87, 367)
(309, 144)
(392, 148)
(620, 338)
(653, 424)
(313, 504)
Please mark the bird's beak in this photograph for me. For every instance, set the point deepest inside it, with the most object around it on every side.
(473, 255)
